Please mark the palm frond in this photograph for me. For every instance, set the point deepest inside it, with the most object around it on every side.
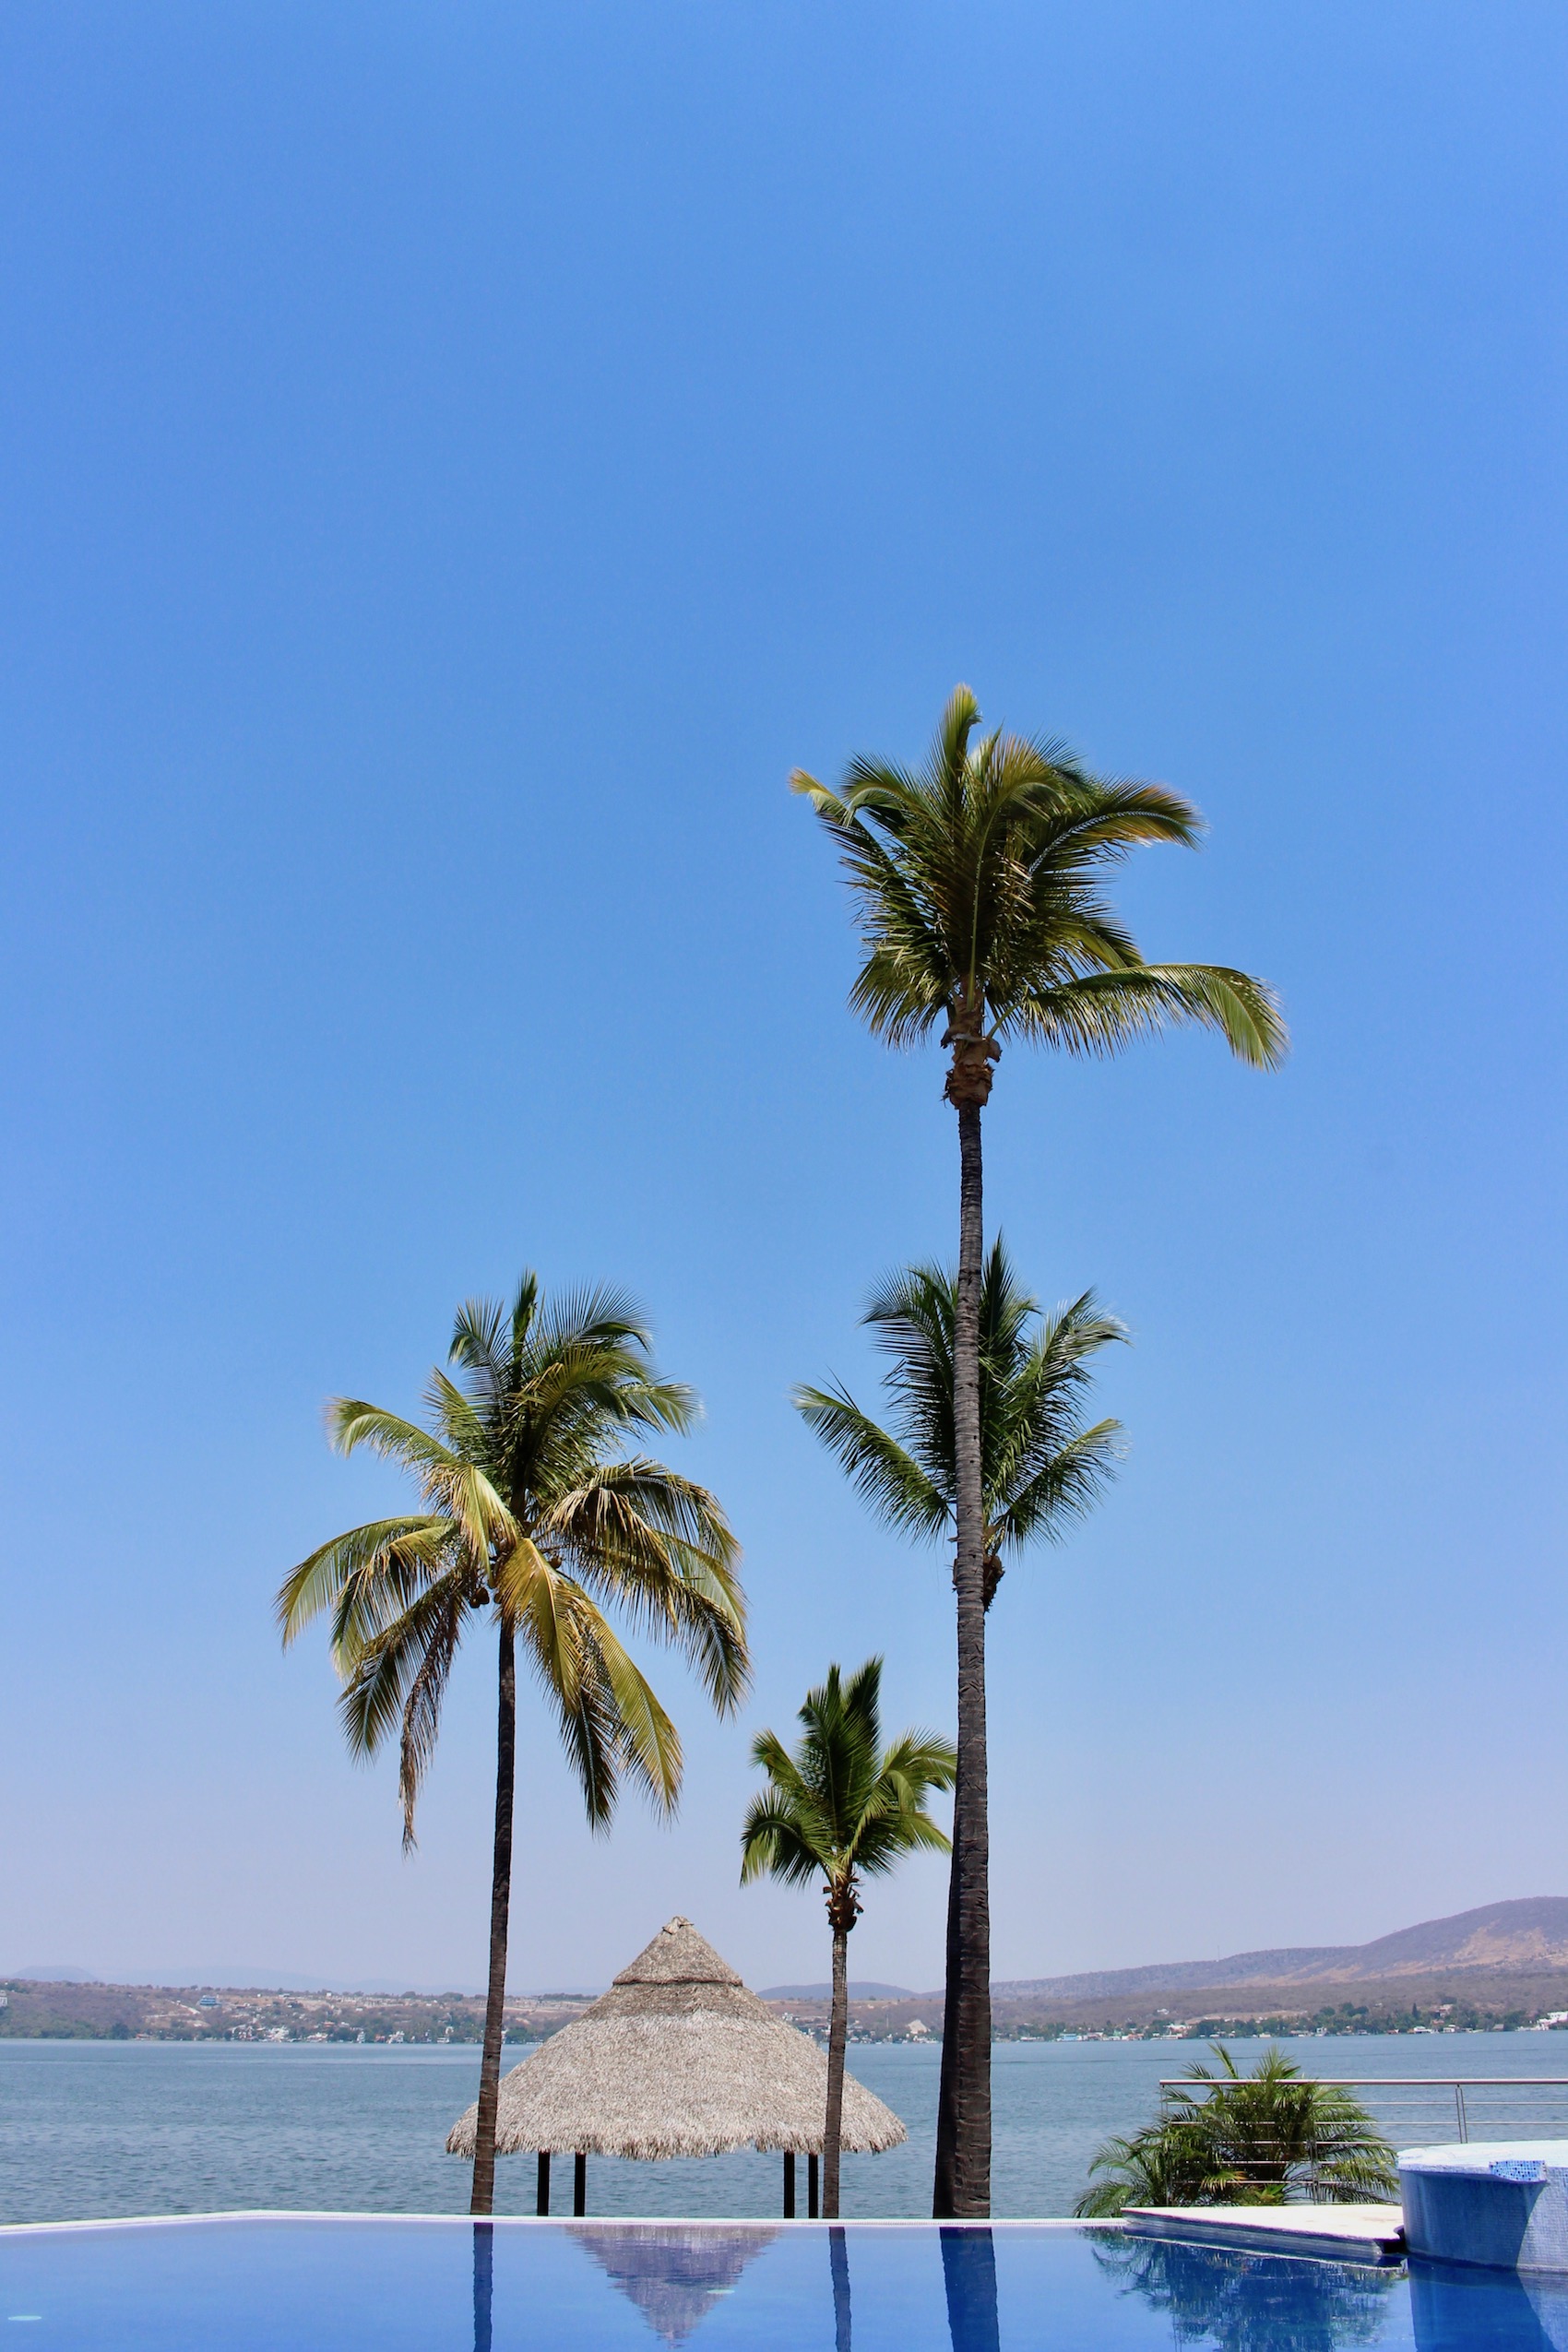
(383, 1586)
(920, 1761)
(482, 1346)
(352, 1423)
(539, 1601)
(1041, 1466)
(772, 1844)
(661, 1547)
(421, 1707)
(975, 882)
(1064, 1489)
(838, 1803)
(320, 1580)
(890, 1479)
(585, 1719)
(646, 1738)
(377, 1684)
(1100, 1012)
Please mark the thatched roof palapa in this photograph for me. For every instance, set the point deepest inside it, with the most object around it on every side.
(678, 2059)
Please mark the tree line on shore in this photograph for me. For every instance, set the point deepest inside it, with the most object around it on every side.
(977, 880)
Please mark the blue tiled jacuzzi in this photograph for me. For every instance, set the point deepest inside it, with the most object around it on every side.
(1500, 2202)
(275, 2283)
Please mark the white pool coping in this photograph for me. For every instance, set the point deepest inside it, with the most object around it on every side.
(1333, 2233)
(539, 2221)
(1479, 2155)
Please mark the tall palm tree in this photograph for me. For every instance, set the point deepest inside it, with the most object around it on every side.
(977, 880)
(844, 1809)
(535, 1518)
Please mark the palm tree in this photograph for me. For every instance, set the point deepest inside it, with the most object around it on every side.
(1040, 1467)
(1256, 2139)
(844, 1808)
(977, 881)
(535, 1517)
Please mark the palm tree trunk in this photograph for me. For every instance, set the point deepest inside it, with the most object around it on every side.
(837, 2035)
(962, 2188)
(483, 2197)
(947, 2081)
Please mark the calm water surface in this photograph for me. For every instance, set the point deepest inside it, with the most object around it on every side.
(90, 2129)
(445, 2286)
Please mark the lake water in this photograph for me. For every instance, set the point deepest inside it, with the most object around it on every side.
(98, 2129)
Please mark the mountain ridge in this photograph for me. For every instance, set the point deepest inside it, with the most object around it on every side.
(859, 1990)
(1515, 1937)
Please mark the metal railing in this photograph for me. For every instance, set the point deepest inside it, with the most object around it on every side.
(1277, 2155)
(1408, 2108)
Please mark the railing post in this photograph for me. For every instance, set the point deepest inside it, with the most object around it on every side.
(1459, 2103)
(790, 2185)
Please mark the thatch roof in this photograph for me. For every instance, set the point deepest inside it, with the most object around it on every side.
(674, 2276)
(676, 2059)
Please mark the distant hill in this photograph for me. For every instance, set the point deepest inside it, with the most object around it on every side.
(229, 1975)
(1517, 1939)
(857, 1991)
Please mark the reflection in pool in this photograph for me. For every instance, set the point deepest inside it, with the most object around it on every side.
(1241, 2302)
(674, 2278)
(968, 2278)
(271, 2284)
(1453, 2305)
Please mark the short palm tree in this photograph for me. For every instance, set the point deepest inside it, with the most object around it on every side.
(536, 1519)
(1257, 2139)
(842, 1808)
(976, 879)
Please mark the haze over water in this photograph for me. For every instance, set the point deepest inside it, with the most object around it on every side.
(93, 2129)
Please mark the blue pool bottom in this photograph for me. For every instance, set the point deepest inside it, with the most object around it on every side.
(264, 2284)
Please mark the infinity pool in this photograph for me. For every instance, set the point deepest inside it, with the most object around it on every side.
(292, 2284)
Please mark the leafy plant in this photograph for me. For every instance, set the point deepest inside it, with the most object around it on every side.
(1270, 2137)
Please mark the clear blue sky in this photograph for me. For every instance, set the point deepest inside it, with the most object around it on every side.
(454, 462)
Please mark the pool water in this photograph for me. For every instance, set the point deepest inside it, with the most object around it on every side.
(261, 2284)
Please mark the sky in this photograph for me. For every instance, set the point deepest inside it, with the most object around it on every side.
(454, 463)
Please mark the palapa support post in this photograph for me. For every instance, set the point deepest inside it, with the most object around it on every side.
(789, 2186)
(541, 2202)
(812, 2199)
(579, 2184)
